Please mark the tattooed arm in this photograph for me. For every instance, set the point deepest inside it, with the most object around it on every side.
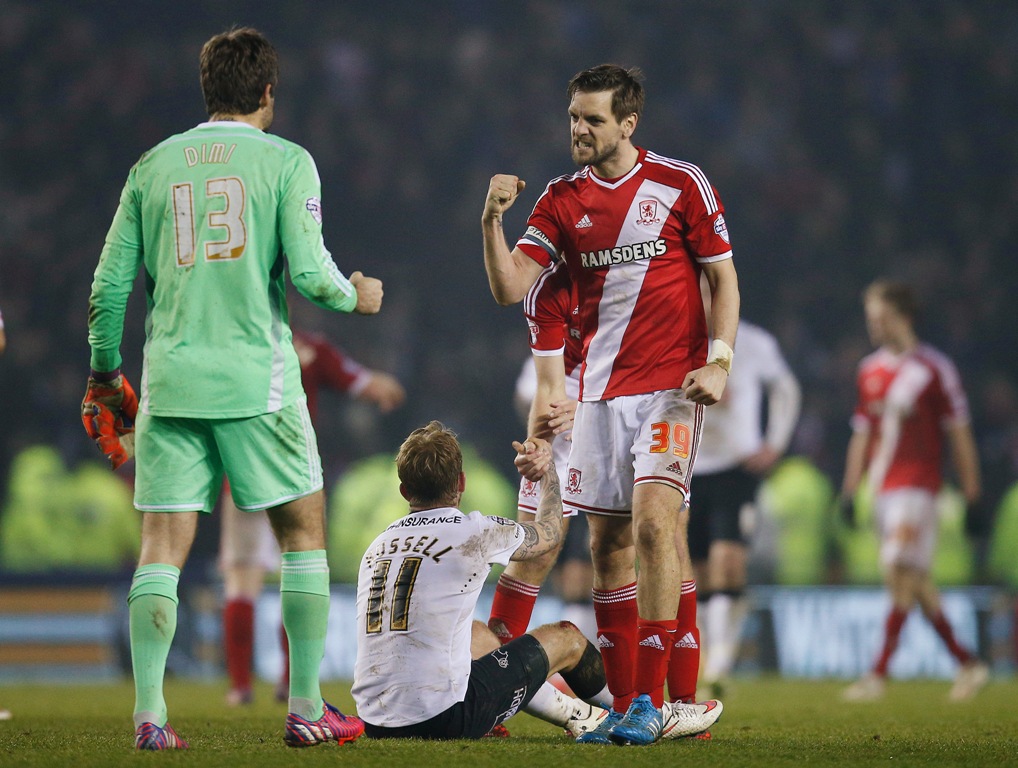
(545, 532)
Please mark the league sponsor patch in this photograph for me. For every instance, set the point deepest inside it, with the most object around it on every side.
(720, 228)
(314, 206)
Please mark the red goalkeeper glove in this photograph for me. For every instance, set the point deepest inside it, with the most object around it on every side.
(108, 413)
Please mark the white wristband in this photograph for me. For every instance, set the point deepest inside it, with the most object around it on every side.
(721, 355)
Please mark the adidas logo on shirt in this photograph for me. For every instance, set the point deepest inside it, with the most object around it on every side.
(584, 222)
(686, 641)
(604, 642)
(653, 642)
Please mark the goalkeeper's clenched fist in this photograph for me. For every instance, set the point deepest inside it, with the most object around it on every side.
(108, 413)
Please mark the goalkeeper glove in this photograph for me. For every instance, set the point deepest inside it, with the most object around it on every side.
(108, 413)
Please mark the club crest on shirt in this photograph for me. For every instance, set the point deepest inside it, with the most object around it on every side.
(528, 489)
(314, 206)
(573, 478)
(648, 212)
(720, 228)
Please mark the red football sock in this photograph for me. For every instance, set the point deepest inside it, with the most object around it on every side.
(654, 640)
(943, 628)
(892, 631)
(238, 641)
(684, 660)
(511, 607)
(616, 614)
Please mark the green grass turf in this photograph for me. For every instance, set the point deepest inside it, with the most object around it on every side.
(767, 722)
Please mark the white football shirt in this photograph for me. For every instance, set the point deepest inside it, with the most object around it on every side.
(733, 427)
(416, 591)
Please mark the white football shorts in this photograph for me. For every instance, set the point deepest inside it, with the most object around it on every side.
(627, 441)
(530, 492)
(908, 523)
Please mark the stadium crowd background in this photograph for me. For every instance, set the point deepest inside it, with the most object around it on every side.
(848, 141)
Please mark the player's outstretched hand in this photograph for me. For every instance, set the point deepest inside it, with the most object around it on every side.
(503, 189)
(533, 457)
(369, 293)
(108, 412)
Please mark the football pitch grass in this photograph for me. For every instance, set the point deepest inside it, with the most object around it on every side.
(767, 722)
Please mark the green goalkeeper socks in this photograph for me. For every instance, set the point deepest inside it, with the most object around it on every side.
(304, 594)
(152, 606)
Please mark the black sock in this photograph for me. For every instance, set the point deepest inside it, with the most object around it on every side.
(586, 679)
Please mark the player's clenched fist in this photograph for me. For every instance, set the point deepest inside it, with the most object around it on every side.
(502, 193)
(369, 293)
(705, 385)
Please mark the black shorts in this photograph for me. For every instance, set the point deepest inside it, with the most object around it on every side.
(715, 506)
(500, 684)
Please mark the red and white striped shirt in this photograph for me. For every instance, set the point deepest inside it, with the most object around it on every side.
(913, 397)
(634, 247)
(552, 314)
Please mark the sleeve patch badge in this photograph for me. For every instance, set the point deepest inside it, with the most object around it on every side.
(314, 206)
(720, 228)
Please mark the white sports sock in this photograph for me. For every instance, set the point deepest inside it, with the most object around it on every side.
(551, 705)
(719, 646)
(724, 619)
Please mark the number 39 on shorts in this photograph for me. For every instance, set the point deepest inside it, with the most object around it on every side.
(667, 437)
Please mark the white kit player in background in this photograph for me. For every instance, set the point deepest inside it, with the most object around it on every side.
(736, 453)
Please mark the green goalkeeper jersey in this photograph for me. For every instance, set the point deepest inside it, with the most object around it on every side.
(211, 214)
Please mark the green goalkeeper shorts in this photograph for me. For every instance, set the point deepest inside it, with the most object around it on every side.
(269, 459)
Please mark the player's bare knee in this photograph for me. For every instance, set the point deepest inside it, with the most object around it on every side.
(653, 534)
(562, 642)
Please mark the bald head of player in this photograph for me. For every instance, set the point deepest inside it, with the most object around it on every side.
(430, 468)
